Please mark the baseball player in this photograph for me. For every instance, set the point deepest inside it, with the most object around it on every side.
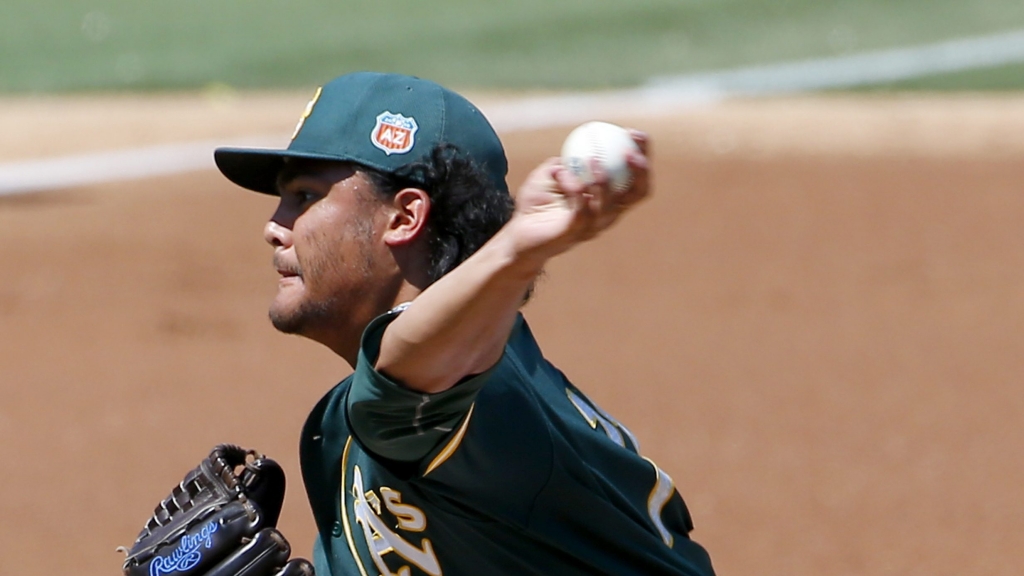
(454, 447)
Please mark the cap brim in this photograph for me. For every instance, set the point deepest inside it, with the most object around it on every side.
(256, 169)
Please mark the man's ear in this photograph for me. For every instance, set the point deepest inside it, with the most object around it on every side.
(408, 217)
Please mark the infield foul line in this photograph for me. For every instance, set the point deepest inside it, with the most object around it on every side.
(665, 94)
(864, 69)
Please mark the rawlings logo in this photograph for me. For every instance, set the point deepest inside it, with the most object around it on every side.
(187, 554)
(394, 133)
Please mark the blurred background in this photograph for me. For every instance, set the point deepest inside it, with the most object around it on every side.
(814, 326)
(51, 45)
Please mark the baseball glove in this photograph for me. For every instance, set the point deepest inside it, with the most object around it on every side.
(220, 521)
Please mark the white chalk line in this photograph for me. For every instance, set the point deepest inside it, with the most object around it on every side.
(99, 167)
(864, 69)
(666, 94)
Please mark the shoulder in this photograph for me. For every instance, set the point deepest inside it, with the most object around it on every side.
(509, 425)
(327, 408)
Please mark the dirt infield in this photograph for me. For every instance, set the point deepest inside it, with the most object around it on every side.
(815, 327)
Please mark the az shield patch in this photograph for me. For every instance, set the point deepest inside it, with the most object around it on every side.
(394, 133)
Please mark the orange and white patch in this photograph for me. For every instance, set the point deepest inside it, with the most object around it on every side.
(394, 133)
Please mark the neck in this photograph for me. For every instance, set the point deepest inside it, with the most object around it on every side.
(407, 293)
(406, 281)
(344, 340)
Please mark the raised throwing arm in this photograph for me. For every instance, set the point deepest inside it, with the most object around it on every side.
(458, 326)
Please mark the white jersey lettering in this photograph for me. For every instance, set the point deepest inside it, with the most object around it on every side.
(382, 540)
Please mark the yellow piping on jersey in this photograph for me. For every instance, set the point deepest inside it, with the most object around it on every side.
(453, 444)
(663, 490)
(576, 403)
(344, 508)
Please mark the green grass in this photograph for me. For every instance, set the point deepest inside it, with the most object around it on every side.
(57, 45)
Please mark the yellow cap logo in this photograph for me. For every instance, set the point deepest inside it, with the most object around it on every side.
(307, 112)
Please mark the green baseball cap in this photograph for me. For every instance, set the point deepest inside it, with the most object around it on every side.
(381, 121)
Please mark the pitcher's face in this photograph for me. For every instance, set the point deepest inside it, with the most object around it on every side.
(323, 234)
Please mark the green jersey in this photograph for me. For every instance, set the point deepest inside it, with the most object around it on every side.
(513, 471)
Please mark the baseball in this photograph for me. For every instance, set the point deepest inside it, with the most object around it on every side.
(606, 143)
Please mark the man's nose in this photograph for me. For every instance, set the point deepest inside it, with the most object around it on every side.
(277, 234)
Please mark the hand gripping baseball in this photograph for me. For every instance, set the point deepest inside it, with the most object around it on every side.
(219, 521)
(555, 210)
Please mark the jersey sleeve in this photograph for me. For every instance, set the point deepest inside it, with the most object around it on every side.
(393, 421)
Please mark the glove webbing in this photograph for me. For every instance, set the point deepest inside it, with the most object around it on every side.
(213, 482)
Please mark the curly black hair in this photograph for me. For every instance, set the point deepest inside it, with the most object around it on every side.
(466, 210)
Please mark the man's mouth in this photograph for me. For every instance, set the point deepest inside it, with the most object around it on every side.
(286, 271)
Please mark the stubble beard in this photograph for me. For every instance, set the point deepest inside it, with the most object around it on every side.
(315, 315)
(301, 321)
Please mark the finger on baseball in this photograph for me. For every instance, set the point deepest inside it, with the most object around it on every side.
(598, 172)
(637, 192)
(638, 162)
(612, 203)
(573, 189)
(543, 175)
(567, 182)
(642, 140)
(599, 191)
(548, 168)
(581, 200)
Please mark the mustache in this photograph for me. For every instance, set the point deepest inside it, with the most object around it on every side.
(285, 267)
